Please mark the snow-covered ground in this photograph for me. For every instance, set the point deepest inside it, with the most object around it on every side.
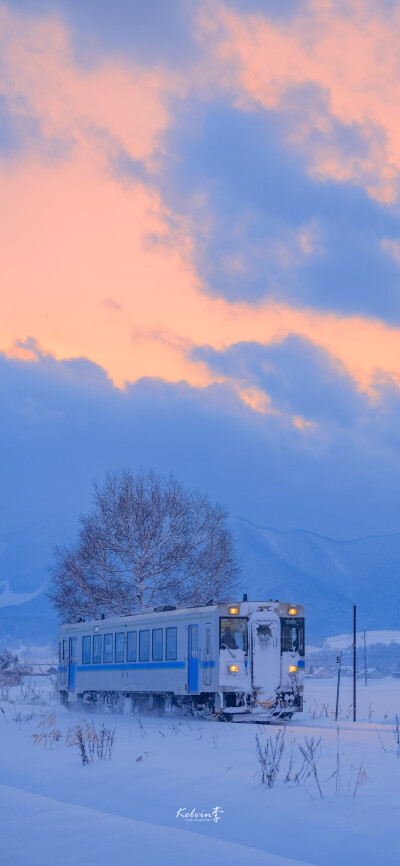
(53, 810)
(379, 701)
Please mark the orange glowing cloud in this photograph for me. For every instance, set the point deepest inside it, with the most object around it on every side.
(351, 54)
(90, 265)
(113, 104)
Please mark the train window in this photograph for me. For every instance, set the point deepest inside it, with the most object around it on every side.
(144, 645)
(119, 647)
(108, 648)
(65, 651)
(131, 646)
(86, 650)
(292, 635)
(193, 641)
(264, 634)
(157, 644)
(97, 649)
(170, 644)
(234, 633)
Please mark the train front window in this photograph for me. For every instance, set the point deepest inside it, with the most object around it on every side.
(292, 635)
(264, 634)
(233, 633)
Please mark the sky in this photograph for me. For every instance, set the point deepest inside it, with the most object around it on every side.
(200, 256)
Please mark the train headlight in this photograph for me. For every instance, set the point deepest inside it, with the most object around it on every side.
(233, 610)
(292, 669)
(233, 669)
(292, 611)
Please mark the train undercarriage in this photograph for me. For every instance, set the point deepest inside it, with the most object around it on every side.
(222, 706)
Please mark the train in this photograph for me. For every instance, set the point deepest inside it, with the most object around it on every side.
(236, 661)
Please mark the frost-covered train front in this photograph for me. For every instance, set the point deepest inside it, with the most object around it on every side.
(261, 659)
(243, 661)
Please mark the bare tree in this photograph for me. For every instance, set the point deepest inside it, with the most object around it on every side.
(12, 670)
(146, 540)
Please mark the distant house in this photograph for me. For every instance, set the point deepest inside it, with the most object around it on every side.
(374, 674)
(321, 673)
(42, 670)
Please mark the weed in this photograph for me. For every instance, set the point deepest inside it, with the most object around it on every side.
(47, 734)
(270, 756)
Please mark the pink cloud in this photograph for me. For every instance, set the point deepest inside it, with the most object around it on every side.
(351, 54)
(113, 104)
(73, 235)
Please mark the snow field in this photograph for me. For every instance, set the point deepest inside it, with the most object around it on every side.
(379, 701)
(61, 834)
(53, 810)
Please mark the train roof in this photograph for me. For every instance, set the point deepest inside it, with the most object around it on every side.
(243, 608)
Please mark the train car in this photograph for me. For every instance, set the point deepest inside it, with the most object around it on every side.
(241, 661)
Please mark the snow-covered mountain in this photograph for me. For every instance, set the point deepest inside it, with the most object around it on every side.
(296, 566)
(31, 623)
(385, 637)
(325, 575)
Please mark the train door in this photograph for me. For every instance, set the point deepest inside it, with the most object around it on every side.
(71, 664)
(193, 659)
(207, 661)
(63, 661)
(265, 634)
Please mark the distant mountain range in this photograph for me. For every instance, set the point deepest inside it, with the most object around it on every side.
(301, 567)
(327, 576)
(31, 624)
(383, 637)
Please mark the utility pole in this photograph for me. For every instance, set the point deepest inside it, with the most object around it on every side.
(354, 663)
(339, 667)
(365, 660)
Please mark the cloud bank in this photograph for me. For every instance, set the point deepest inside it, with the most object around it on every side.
(319, 457)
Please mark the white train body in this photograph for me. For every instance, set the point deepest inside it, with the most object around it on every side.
(241, 661)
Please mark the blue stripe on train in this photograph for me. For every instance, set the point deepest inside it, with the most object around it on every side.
(128, 666)
(137, 666)
(133, 666)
